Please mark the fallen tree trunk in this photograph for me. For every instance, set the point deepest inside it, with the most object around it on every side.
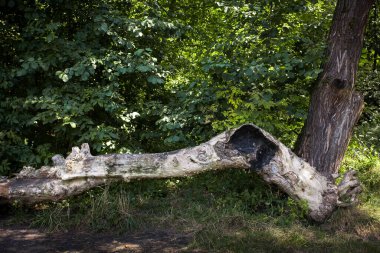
(247, 147)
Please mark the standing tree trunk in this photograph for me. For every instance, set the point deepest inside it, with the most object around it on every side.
(335, 105)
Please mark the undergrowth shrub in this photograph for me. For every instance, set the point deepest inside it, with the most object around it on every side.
(366, 161)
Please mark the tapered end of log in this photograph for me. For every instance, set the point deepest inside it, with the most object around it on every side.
(4, 189)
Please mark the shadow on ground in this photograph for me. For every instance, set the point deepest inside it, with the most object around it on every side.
(24, 239)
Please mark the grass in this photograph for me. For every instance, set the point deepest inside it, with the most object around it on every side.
(230, 211)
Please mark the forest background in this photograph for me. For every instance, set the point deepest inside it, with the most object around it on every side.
(153, 76)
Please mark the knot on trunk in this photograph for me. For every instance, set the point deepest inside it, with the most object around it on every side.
(340, 83)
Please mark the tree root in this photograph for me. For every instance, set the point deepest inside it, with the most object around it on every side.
(349, 189)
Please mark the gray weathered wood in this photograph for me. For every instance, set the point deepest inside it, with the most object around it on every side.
(247, 147)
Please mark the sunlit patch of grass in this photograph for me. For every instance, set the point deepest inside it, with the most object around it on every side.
(268, 236)
(372, 206)
(354, 222)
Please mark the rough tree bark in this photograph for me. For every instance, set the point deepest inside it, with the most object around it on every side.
(247, 147)
(335, 105)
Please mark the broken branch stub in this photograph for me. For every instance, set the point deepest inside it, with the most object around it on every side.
(246, 147)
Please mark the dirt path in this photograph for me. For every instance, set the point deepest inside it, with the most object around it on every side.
(24, 239)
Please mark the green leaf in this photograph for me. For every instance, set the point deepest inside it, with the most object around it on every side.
(104, 27)
(143, 68)
(34, 65)
(64, 77)
(122, 70)
(21, 72)
(139, 52)
(50, 37)
(85, 76)
(155, 80)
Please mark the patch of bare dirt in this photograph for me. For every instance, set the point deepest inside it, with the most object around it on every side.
(24, 239)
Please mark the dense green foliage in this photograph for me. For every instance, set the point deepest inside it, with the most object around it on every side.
(130, 76)
(368, 81)
(77, 71)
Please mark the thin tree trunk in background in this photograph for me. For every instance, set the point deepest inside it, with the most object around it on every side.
(375, 17)
(335, 105)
